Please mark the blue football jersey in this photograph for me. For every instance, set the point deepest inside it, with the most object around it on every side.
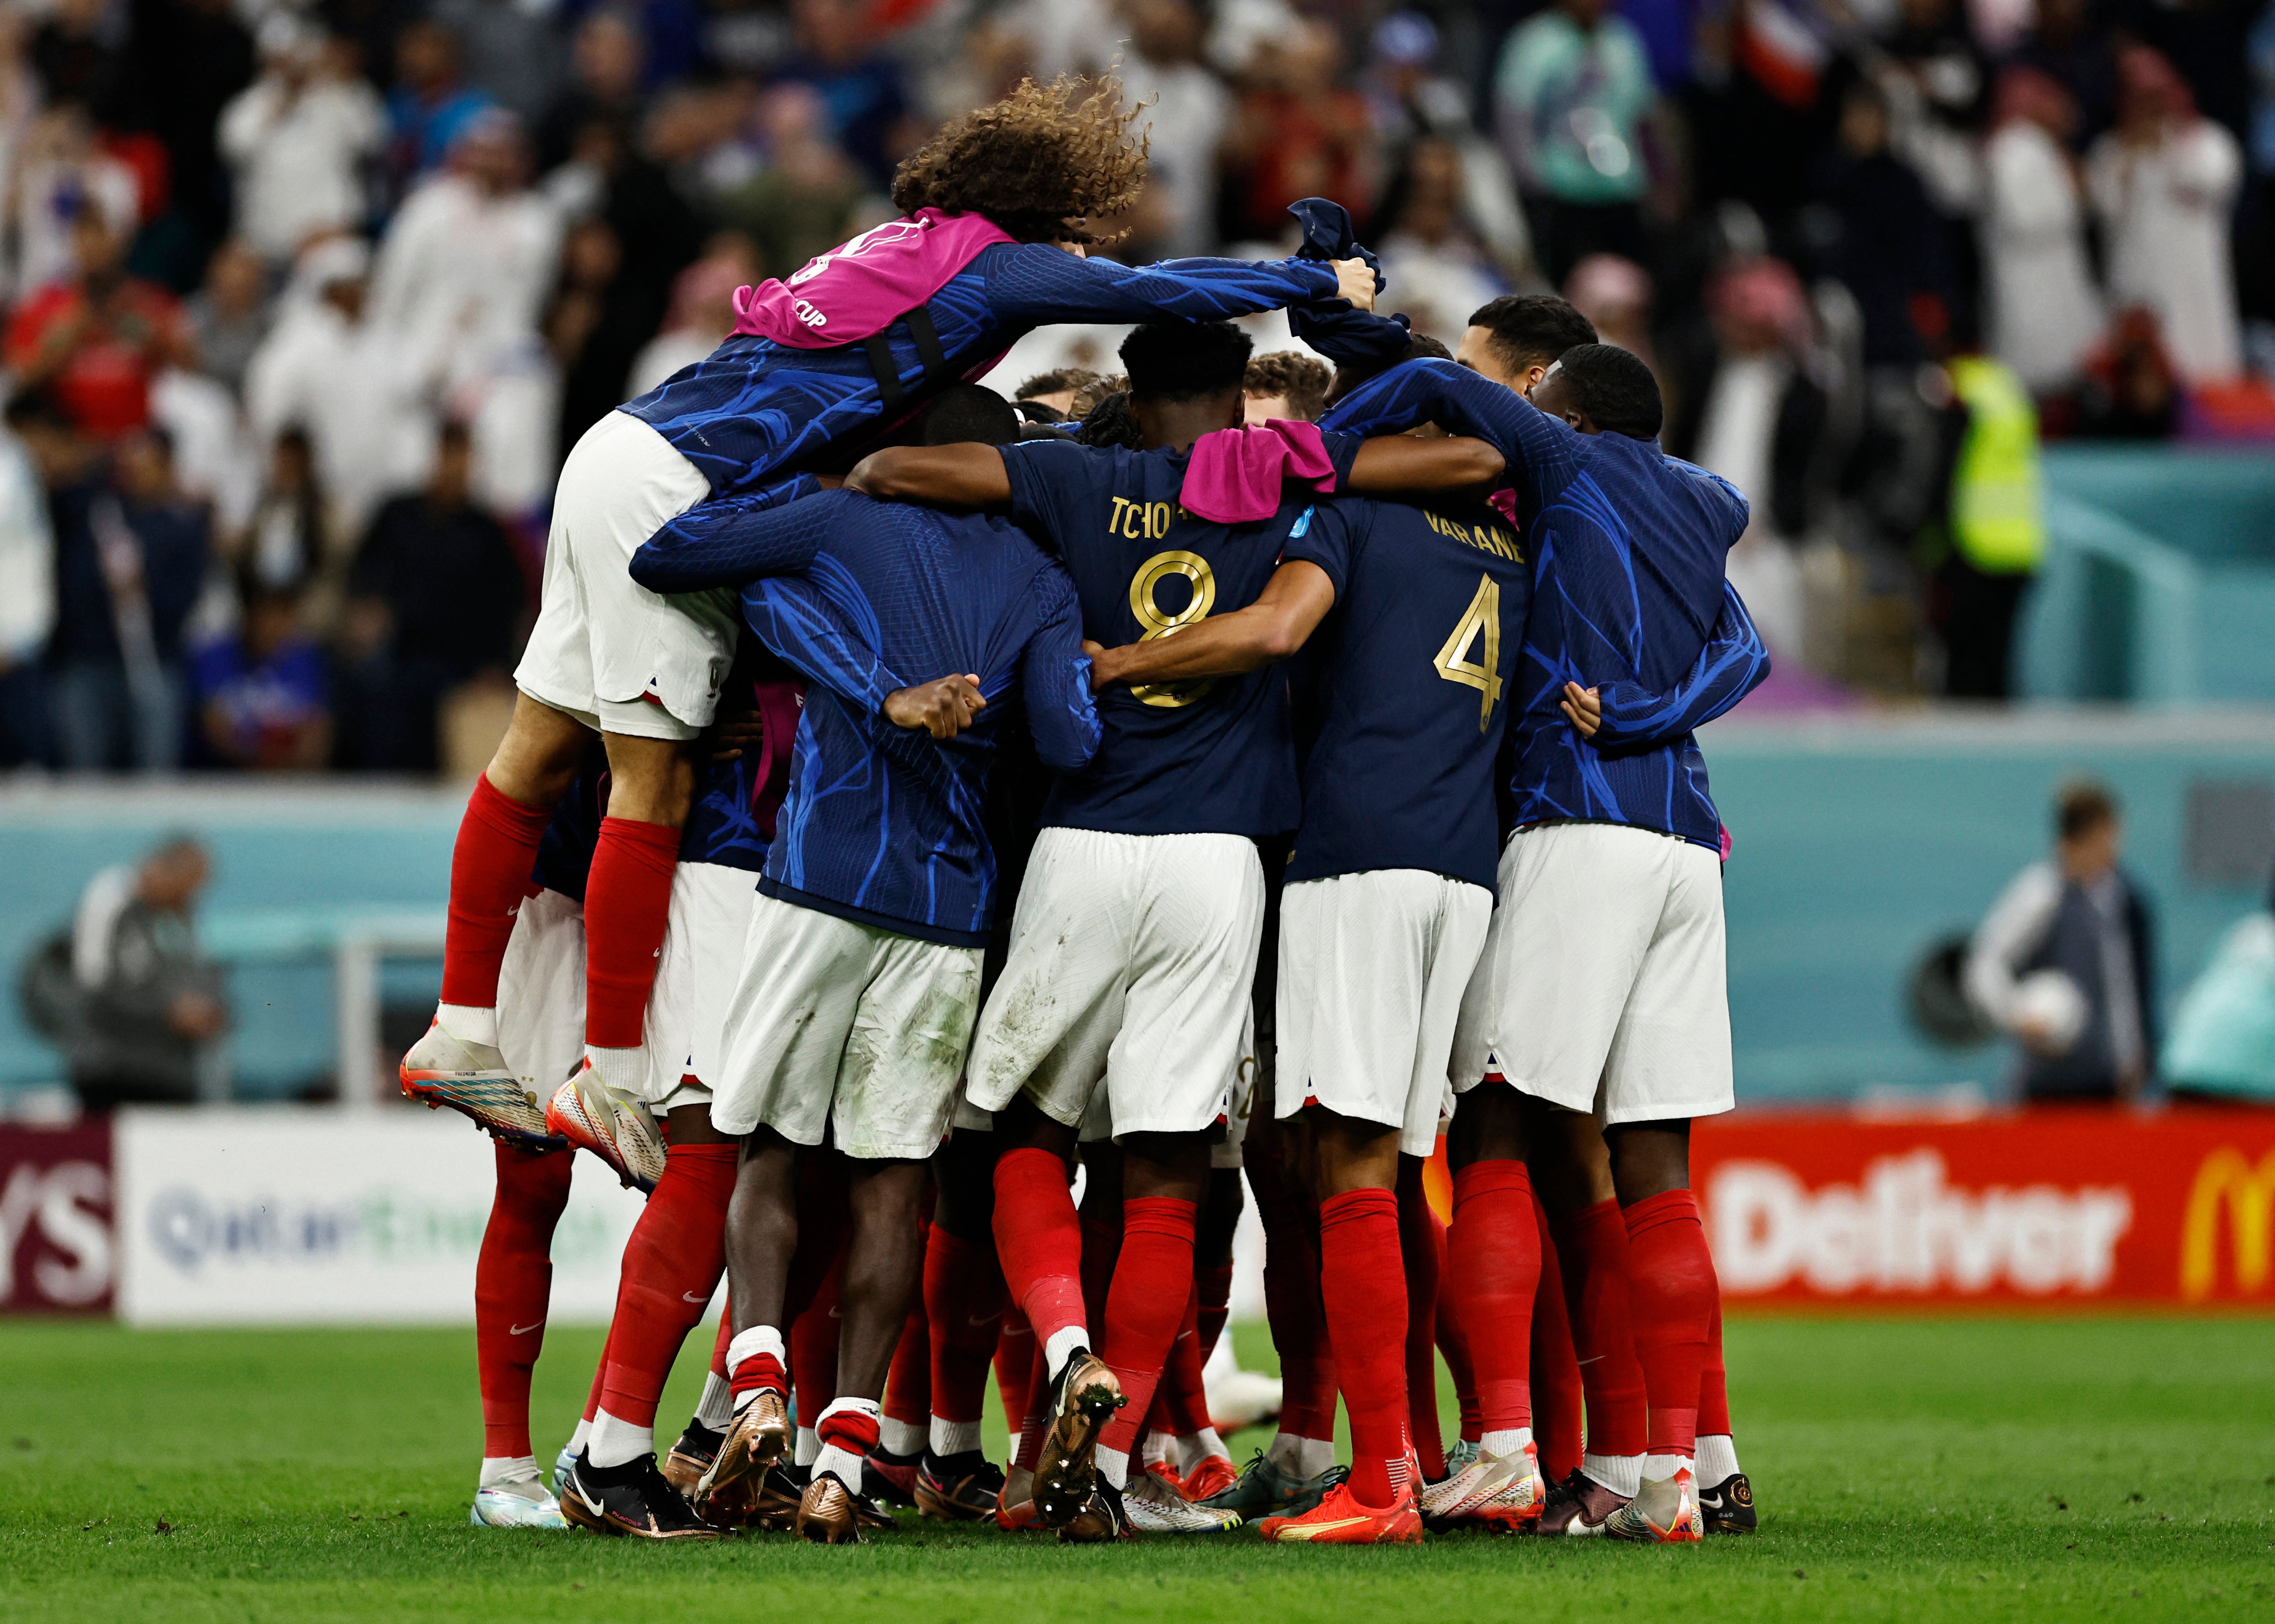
(1415, 678)
(1211, 756)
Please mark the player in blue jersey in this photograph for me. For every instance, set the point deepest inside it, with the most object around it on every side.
(1602, 992)
(991, 245)
(859, 982)
(1136, 935)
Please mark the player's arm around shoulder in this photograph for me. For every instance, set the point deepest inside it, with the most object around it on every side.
(1280, 621)
(957, 476)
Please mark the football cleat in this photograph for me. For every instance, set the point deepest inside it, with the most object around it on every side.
(1462, 1452)
(1339, 1519)
(1665, 1512)
(1015, 1505)
(614, 1126)
(830, 1514)
(1729, 1506)
(891, 1479)
(757, 1439)
(691, 1456)
(523, 1503)
(473, 1080)
(963, 1488)
(1501, 1494)
(1578, 1508)
(1085, 1393)
(1153, 1506)
(632, 1499)
(1100, 1519)
(1165, 1474)
(1213, 1476)
(562, 1463)
(1262, 1490)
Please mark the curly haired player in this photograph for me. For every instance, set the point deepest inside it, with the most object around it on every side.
(992, 244)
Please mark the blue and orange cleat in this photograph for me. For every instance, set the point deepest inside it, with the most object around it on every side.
(473, 1080)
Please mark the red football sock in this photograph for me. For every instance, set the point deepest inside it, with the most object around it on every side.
(1422, 1242)
(1181, 1401)
(1215, 1306)
(1014, 1356)
(672, 1264)
(489, 878)
(963, 1302)
(1100, 1221)
(1038, 1412)
(908, 1382)
(1038, 1240)
(1153, 1283)
(1456, 1346)
(813, 1349)
(1299, 1320)
(513, 1283)
(1366, 1300)
(719, 1343)
(1593, 1249)
(600, 1379)
(627, 903)
(1713, 1382)
(1557, 1432)
(1673, 1293)
(1493, 1254)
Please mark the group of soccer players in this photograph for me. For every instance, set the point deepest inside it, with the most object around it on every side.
(912, 810)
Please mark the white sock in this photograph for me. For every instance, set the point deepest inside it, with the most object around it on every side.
(758, 1339)
(809, 1446)
(1012, 1449)
(1115, 1465)
(624, 1071)
(582, 1436)
(1655, 1467)
(616, 1442)
(1060, 1346)
(899, 1437)
(717, 1407)
(1156, 1447)
(834, 1457)
(1301, 1457)
(468, 1022)
(1502, 1444)
(496, 1472)
(844, 1462)
(948, 1438)
(1622, 1473)
(1718, 1458)
(1194, 1447)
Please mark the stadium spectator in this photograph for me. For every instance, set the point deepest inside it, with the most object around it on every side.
(2164, 182)
(148, 1004)
(1189, 112)
(1992, 530)
(1887, 244)
(861, 88)
(1573, 89)
(431, 105)
(59, 177)
(131, 561)
(299, 138)
(2063, 44)
(2065, 963)
(1297, 134)
(1431, 254)
(285, 546)
(228, 316)
(95, 340)
(27, 597)
(259, 694)
(2043, 311)
(434, 600)
(605, 66)
(702, 313)
(77, 54)
(804, 201)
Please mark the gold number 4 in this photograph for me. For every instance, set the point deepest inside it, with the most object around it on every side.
(1143, 586)
(1452, 662)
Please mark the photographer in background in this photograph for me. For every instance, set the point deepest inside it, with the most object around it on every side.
(2065, 961)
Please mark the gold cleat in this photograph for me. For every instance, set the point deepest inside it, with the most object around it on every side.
(759, 1437)
(1088, 1393)
(829, 1513)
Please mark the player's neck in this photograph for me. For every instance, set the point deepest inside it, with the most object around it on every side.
(1174, 424)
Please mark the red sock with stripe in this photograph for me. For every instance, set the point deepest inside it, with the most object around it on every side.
(1015, 1357)
(513, 1284)
(1492, 1252)
(1713, 1382)
(1422, 1242)
(1672, 1293)
(1593, 1249)
(1039, 1241)
(964, 1303)
(1153, 1283)
(489, 879)
(1363, 1290)
(1557, 1429)
(672, 1265)
(627, 904)
(907, 1412)
(813, 1337)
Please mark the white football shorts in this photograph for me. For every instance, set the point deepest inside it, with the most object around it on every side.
(540, 1004)
(605, 649)
(1603, 985)
(1373, 967)
(1131, 958)
(845, 1032)
(695, 975)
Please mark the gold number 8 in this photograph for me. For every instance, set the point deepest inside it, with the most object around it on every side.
(1143, 586)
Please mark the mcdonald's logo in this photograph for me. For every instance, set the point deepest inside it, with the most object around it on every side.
(2249, 1194)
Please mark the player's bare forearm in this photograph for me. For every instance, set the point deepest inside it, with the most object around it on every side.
(1402, 462)
(943, 708)
(957, 476)
(1293, 603)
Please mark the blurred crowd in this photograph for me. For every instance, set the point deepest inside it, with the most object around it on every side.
(305, 299)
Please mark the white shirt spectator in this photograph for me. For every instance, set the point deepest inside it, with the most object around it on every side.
(462, 276)
(2045, 314)
(373, 441)
(2167, 209)
(27, 556)
(298, 151)
(48, 192)
(214, 457)
(1186, 123)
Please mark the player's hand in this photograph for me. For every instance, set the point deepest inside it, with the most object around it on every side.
(732, 734)
(1583, 708)
(1100, 677)
(943, 708)
(1354, 280)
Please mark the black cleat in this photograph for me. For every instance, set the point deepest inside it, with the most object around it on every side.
(890, 1479)
(633, 1499)
(691, 1456)
(1100, 1520)
(1729, 1506)
(959, 1488)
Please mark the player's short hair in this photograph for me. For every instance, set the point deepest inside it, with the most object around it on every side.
(1186, 360)
(1111, 423)
(1058, 381)
(969, 413)
(1101, 385)
(1532, 330)
(1301, 380)
(2084, 805)
(1613, 388)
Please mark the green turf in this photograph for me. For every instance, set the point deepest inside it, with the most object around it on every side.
(1906, 1470)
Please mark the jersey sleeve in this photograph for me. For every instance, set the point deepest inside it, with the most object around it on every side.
(1051, 480)
(796, 617)
(1329, 534)
(1730, 666)
(1038, 284)
(1542, 452)
(1054, 678)
(731, 540)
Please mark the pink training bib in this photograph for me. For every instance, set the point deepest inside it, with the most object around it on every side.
(860, 288)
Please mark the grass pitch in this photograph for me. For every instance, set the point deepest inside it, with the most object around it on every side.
(1905, 1470)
